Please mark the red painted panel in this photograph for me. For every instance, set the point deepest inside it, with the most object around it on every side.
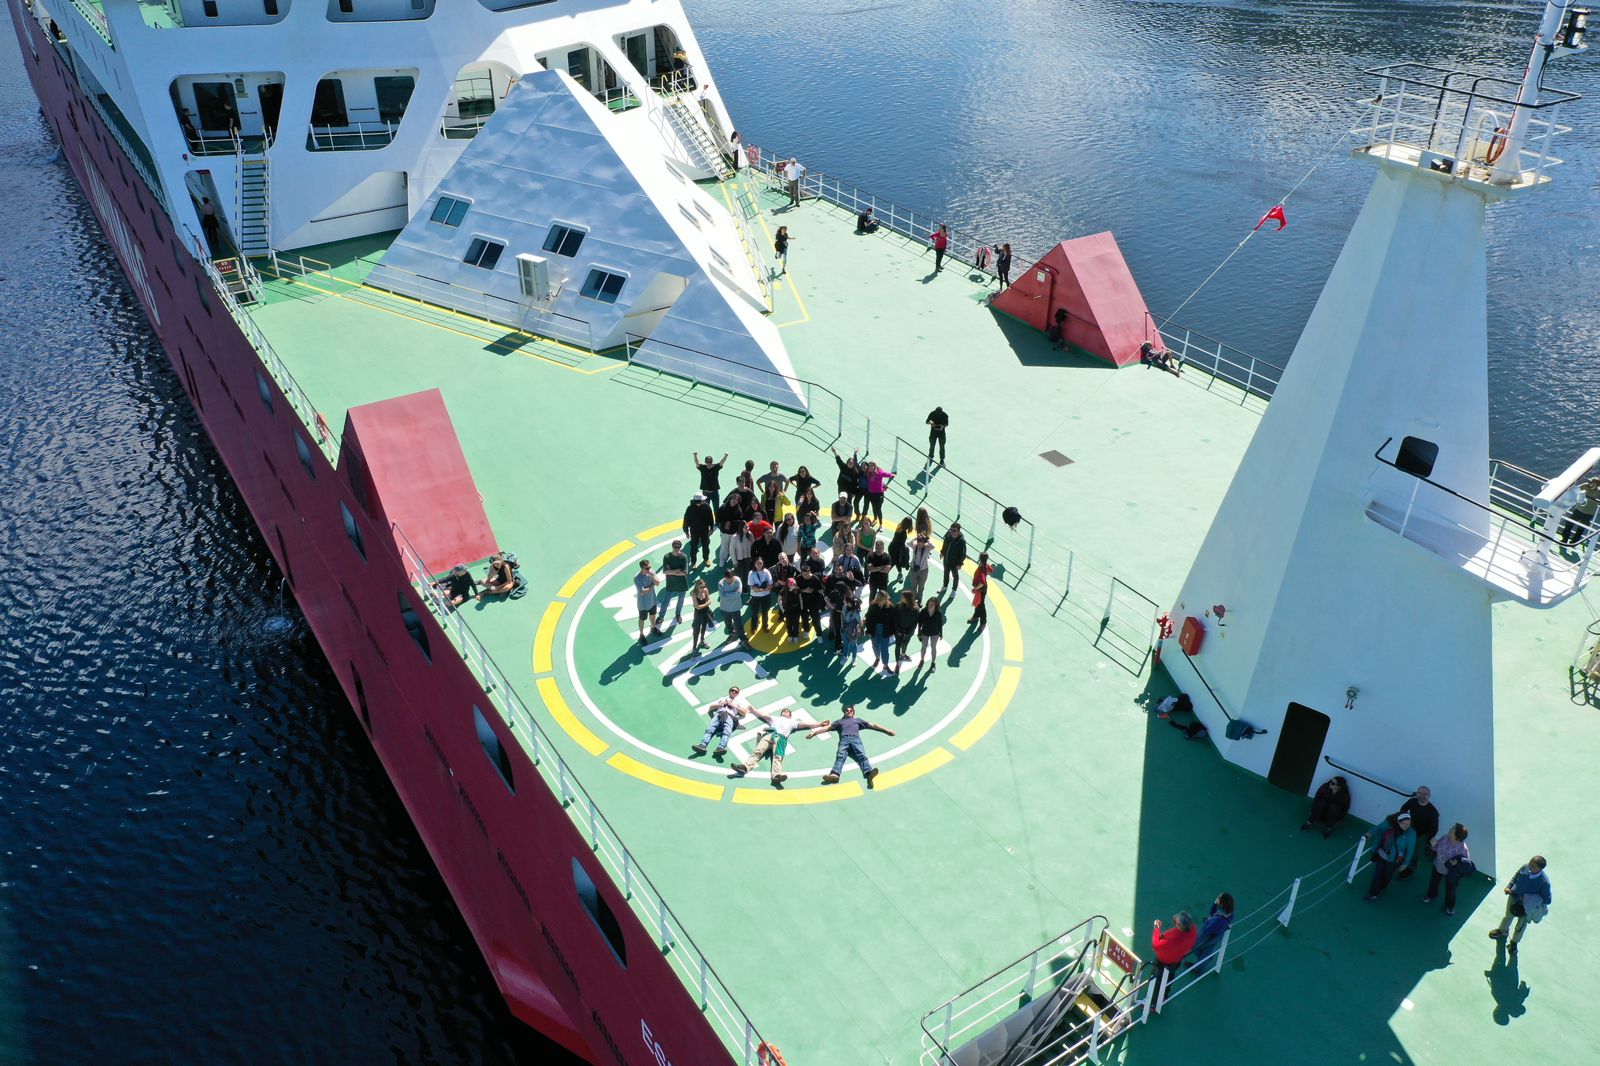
(1089, 278)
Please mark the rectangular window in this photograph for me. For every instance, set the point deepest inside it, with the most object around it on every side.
(352, 530)
(449, 211)
(327, 106)
(564, 240)
(347, 7)
(688, 214)
(494, 749)
(603, 285)
(394, 93)
(599, 912)
(270, 7)
(303, 450)
(265, 390)
(209, 7)
(483, 253)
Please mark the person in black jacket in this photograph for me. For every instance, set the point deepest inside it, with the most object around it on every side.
(905, 626)
(954, 555)
(730, 520)
(710, 479)
(698, 521)
(1425, 820)
(1329, 806)
(899, 550)
(850, 479)
(938, 422)
(930, 627)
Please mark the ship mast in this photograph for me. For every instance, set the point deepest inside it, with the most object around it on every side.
(1561, 32)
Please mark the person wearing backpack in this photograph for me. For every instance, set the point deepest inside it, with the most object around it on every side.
(1527, 900)
(1396, 844)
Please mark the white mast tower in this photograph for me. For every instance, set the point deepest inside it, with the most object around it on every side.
(1341, 599)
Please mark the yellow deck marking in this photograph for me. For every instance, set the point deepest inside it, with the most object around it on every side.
(556, 704)
(493, 345)
(1010, 631)
(771, 797)
(545, 639)
(761, 217)
(592, 567)
(655, 531)
(993, 708)
(662, 779)
(915, 768)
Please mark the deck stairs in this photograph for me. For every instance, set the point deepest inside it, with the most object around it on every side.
(253, 205)
(688, 121)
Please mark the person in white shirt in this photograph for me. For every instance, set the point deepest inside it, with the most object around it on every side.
(725, 715)
(760, 586)
(792, 173)
(644, 585)
(730, 603)
(921, 556)
(774, 742)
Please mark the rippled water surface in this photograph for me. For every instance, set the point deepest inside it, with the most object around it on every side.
(202, 861)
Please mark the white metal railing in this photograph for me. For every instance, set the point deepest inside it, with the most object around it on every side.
(486, 305)
(732, 1025)
(353, 136)
(95, 15)
(134, 158)
(309, 416)
(1253, 377)
(759, 267)
(1461, 117)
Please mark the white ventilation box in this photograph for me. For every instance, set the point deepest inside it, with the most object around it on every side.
(534, 273)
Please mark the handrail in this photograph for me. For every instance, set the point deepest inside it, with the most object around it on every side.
(1370, 780)
(728, 1020)
(150, 181)
(1194, 350)
(1214, 697)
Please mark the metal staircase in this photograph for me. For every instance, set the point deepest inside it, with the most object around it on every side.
(253, 205)
(688, 121)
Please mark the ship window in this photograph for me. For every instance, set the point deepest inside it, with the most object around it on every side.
(303, 450)
(1417, 456)
(394, 93)
(564, 240)
(347, 7)
(684, 210)
(361, 697)
(352, 530)
(449, 211)
(483, 253)
(599, 912)
(413, 624)
(494, 749)
(283, 549)
(327, 106)
(200, 287)
(603, 285)
(270, 7)
(210, 8)
(265, 390)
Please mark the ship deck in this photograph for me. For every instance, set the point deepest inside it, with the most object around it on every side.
(1035, 788)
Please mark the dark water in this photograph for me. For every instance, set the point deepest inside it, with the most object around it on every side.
(200, 859)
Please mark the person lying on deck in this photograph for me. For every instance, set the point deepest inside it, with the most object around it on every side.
(1161, 360)
(865, 223)
(458, 585)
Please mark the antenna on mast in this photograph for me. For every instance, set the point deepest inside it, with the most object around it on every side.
(1562, 32)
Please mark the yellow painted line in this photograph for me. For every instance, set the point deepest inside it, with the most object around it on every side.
(805, 312)
(993, 708)
(556, 704)
(915, 768)
(661, 779)
(1010, 630)
(545, 638)
(771, 797)
(592, 567)
(563, 345)
(655, 531)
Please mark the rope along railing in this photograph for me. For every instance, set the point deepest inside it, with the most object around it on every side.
(738, 1034)
(1122, 619)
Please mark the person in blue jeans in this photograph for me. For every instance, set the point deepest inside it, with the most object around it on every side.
(759, 586)
(849, 729)
(1529, 885)
(725, 715)
(1211, 930)
(880, 628)
(1396, 843)
(675, 570)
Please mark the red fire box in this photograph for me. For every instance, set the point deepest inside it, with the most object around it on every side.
(1192, 635)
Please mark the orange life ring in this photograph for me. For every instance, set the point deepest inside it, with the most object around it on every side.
(769, 1053)
(1497, 145)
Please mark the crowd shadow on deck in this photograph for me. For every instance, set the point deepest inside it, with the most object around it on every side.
(1341, 969)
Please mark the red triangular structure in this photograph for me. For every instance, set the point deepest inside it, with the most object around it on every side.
(417, 477)
(1088, 277)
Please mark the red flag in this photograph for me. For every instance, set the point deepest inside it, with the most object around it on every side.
(1275, 215)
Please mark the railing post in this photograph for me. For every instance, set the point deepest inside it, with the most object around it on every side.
(1094, 1038)
(749, 1041)
(1071, 556)
(561, 778)
(994, 518)
(1110, 599)
(894, 464)
(703, 982)
(1031, 528)
(1222, 949)
(1033, 972)
(960, 493)
(666, 925)
(1288, 908)
(949, 1022)
(627, 874)
(594, 827)
(1355, 860)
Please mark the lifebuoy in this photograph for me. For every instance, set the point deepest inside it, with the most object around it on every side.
(769, 1054)
(1497, 145)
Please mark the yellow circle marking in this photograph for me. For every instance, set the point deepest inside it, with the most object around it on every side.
(964, 738)
(774, 640)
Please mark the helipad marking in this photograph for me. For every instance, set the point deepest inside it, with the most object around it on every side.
(1010, 630)
(592, 567)
(915, 768)
(771, 797)
(544, 641)
(657, 531)
(660, 778)
(556, 704)
(985, 719)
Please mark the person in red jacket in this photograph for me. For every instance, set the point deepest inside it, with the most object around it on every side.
(940, 239)
(1172, 945)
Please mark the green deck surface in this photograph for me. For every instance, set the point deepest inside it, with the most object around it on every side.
(1076, 801)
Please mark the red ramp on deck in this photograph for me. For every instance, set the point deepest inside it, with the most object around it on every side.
(1088, 277)
(416, 477)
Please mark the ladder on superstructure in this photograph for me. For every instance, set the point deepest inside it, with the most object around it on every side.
(253, 205)
(688, 120)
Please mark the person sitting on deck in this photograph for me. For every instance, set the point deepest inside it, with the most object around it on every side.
(1057, 333)
(1161, 359)
(1329, 806)
(458, 585)
(849, 729)
(865, 223)
(725, 715)
(501, 578)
